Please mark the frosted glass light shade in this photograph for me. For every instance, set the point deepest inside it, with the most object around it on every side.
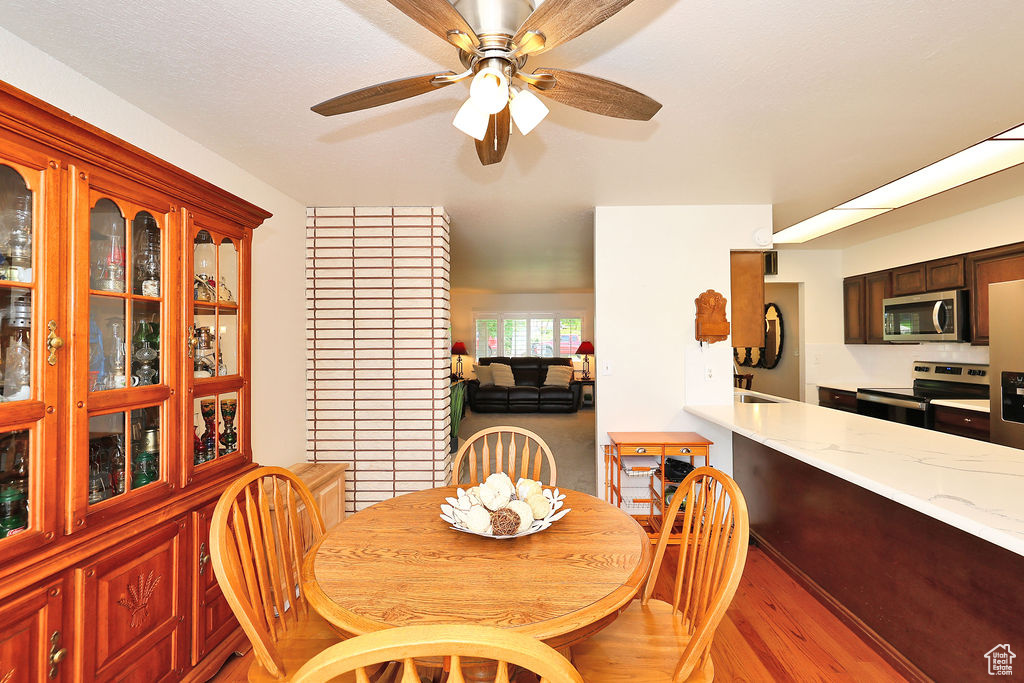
(489, 90)
(823, 224)
(527, 110)
(471, 121)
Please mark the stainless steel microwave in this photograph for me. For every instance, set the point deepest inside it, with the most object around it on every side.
(935, 316)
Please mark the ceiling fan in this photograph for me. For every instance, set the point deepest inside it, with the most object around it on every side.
(495, 38)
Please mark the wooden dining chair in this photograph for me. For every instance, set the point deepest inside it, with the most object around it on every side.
(655, 641)
(512, 450)
(256, 547)
(461, 647)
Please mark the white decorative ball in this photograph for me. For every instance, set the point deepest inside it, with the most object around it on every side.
(527, 487)
(500, 482)
(540, 505)
(478, 520)
(525, 512)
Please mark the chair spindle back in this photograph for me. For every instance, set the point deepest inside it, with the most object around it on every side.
(256, 544)
(515, 451)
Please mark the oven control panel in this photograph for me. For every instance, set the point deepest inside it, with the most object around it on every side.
(968, 373)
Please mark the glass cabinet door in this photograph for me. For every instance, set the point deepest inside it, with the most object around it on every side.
(121, 384)
(30, 348)
(214, 370)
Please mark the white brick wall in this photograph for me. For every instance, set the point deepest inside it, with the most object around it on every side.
(377, 310)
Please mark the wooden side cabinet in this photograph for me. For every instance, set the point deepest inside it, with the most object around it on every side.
(642, 456)
(34, 637)
(124, 283)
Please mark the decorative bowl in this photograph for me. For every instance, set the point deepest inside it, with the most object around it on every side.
(450, 508)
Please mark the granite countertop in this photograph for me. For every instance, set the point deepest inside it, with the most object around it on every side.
(980, 405)
(971, 485)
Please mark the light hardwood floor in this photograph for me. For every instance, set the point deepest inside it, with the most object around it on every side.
(774, 631)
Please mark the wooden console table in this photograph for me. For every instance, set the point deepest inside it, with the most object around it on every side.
(658, 445)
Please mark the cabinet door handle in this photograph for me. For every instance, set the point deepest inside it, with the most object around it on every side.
(57, 654)
(204, 557)
(53, 342)
(967, 419)
(190, 340)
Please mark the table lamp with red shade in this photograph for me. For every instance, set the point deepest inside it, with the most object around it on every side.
(459, 350)
(586, 350)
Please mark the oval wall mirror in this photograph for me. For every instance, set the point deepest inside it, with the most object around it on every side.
(741, 355)
(771, 353)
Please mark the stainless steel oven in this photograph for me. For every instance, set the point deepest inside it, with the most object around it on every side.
(935, 316)
(912, 405)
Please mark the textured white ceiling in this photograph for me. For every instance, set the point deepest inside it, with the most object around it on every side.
(802, 104)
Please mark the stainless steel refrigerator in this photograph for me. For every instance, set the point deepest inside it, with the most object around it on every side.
(1006, 349)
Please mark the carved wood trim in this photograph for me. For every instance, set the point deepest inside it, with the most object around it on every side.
(711, 324)
(137, 601)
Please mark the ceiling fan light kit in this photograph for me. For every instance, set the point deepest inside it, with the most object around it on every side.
(471, 120)
(495, 38)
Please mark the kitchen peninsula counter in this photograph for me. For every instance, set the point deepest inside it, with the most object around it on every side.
(971, 485)
(914, 537)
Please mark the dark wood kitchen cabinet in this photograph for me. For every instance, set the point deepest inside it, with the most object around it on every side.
(909, 280)
(862, 307)
(837, 399)
(945, 273)
(1000, 264)
(974, 424)
(877, 286)
(854, 331)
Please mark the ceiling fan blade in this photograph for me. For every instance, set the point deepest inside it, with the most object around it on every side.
(382, 93)
(599, 96)
(492, 148)
(563, 20)
(437, 16)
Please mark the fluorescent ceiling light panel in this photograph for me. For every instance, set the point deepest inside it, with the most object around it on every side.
(822, 224)
(1012, 134)
(985, 158)
(974, 162)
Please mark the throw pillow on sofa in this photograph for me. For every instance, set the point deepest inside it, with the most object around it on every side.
(484, 374)
(502, 375)
(558, 376)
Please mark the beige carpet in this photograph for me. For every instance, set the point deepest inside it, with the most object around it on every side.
(570, 436)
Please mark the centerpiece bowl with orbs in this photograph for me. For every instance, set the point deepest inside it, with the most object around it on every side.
(499, 509)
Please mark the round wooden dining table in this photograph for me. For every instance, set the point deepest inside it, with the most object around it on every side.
(398, 564)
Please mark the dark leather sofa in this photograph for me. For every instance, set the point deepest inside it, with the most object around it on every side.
(528, 395)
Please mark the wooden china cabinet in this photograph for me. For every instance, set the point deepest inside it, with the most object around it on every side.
(124, 402)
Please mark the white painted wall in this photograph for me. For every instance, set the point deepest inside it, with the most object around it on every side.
(467, 302)
(278, 322)
(650, 263)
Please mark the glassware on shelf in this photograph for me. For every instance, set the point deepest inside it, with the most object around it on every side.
(208, 407)
(13, 512)
(97, 359)
(20, 466)
(118, 475)
(198, 448)
(147, 256)
(17, 367)
(19, 243)
(205, 267)
(117, 358)
(229, 438)
(227, 261)
(145, 469)
(205, 361)
(110, 268)
(143, 355)
(99, 483)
